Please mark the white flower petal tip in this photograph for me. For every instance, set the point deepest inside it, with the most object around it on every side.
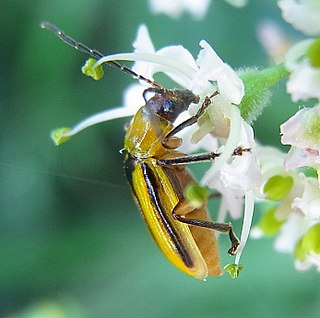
(213, 69)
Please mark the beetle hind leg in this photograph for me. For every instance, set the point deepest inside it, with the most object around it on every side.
(179, 214)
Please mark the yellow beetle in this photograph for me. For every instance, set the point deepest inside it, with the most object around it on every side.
(158, 177)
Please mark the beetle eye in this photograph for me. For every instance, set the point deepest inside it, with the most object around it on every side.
(168, 107)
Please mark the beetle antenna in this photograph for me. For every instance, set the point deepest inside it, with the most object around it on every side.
(96, 54)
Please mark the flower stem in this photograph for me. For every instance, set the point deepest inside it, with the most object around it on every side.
(257, 84)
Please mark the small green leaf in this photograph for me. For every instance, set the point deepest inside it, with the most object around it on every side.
(278, 187)
(196, 195)
(314, 53)
(58, 135)
(269, 224)
(233, 270)
(96, 72)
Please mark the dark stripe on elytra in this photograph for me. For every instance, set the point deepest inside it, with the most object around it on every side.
(151, 183)
(129, 166)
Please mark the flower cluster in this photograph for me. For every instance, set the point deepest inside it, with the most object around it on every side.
(295, 212)
(222, 127)
(290, 197)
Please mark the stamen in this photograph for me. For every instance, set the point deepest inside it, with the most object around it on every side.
(171, 64)
(99, 118)
(247, 221)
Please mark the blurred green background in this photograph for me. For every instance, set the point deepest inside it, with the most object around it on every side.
(72, 243)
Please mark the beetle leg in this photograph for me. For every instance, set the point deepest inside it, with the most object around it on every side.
(190, 121)
(209, 156)
(183, 208)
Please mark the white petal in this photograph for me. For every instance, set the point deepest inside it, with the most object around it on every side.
(291, 232)
(174, 8)
(304, 82)
(231, 143)
(184, 57)
(212, 68)
(133, 97)
(231, 201)
(309, 203)
(304, 15)
(298, 157)
(143, 44)
(296, 53)
(296, 130)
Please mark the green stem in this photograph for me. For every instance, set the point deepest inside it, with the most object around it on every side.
(257, 84)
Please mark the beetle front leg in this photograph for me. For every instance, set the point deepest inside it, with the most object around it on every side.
(190, 121)
(183, 208)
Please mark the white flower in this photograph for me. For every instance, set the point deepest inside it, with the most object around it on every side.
(175, 8)
(309, 203)
(302, 132)
(304, 15)
(211, 68)
(237, 177)
(238, 174)
(304, 80)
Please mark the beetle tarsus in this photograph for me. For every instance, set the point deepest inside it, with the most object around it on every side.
(240, 150)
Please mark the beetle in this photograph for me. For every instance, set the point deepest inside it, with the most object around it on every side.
(157, 173)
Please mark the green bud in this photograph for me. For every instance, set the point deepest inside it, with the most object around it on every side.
(310, 242)
(269, 224)
(96, 72)
(278, 187)
(196, 195)
(314, 53)
(233, 270)
(58, 135)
